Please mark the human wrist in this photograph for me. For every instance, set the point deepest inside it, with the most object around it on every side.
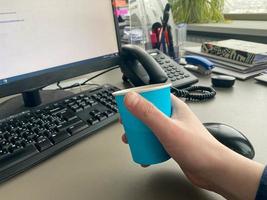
(237, 176)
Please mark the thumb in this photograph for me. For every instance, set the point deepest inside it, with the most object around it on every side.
(158, 122)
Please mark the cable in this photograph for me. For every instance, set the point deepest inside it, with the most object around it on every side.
(59, 86)
(85, 82)
(89, 79)
(74, 85)
(195, 93)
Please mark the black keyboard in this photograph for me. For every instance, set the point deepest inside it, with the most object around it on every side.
(32, 136)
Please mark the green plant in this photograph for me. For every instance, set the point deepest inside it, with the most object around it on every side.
(197, 11)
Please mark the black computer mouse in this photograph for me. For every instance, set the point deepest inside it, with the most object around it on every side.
(222, 81)
(231, 138)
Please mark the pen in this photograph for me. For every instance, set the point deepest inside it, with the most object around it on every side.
(170, 38)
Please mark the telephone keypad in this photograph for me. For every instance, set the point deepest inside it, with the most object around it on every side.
(176, 73)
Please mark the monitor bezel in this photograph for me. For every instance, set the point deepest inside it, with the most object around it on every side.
(65, 72)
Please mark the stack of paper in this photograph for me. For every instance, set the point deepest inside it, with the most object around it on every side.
(230, 67)
(237, 50)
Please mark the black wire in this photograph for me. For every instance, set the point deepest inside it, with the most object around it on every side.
(89, 79)
(59, 86)
(85, 82)
(75, 85)
(195, 93)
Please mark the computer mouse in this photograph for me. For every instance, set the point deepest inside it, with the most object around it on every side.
(231, 138)
(222, 81)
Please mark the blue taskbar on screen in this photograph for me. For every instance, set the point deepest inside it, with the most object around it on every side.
(54, 69)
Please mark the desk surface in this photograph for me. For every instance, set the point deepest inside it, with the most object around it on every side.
(100, 166)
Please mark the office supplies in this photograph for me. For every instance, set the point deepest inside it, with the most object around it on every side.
(198, 64)
(140, 67)
(163, 32)
(262, 78)
(163, 41)
(154, 40)
(231, 138)
(119, 3)
(121, 11)
(199, 61)
(145, 147)
(238, 75)
(222, 81)
(180, 32)
(156, 28)
(237, 50)
(32, 136)
(171, 51)
(241, 71)
(223, 61)
(166, 16)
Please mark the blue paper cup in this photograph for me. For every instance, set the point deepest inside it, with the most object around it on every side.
(144, 145)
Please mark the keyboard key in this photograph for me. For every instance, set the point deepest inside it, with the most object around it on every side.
(56, 110)
(3, 152)
(68, 116)
(101, 117)
(109, 113)
(9, 159)
(78, 109)
(93, 121)
(77, 128)
(87, 106)
(12, 148)
(93, 103)
(43, 143)
(59, 137)
(95, 112)
(74, 107)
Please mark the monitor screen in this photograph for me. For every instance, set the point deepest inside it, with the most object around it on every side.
(43, 37)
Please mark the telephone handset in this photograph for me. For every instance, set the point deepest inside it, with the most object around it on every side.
(141, 67)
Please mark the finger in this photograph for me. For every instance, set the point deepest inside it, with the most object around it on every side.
(124, 139)
(159, 123)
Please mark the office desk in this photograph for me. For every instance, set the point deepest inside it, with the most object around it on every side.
(100, 166)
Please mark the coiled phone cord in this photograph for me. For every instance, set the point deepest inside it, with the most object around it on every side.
(195, 93)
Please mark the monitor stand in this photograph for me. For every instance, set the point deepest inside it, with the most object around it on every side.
(30, 99)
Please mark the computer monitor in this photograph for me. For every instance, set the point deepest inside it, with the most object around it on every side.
(43, 42)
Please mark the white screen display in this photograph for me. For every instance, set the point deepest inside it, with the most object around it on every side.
(41, 34)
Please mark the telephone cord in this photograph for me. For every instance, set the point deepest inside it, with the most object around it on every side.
(195, 93)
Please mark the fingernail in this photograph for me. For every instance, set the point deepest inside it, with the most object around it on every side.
(131, 99)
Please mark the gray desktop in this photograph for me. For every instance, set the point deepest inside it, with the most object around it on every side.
(100, 167)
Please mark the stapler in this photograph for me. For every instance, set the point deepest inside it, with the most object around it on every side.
(198, 64)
